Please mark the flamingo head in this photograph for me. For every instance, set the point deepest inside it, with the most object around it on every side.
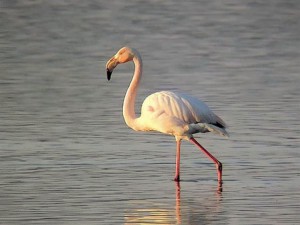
(124, 55)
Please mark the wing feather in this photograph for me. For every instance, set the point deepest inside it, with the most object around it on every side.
(182, 106)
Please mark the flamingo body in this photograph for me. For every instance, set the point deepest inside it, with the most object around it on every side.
(177, 114)
(168, 112)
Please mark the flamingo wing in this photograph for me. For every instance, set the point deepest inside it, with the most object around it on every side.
(169, 112)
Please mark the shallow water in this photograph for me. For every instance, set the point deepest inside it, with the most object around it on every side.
(66, 156)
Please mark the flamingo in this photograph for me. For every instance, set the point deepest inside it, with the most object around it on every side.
(171, 113)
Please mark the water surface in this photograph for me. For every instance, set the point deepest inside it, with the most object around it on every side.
(66, 156)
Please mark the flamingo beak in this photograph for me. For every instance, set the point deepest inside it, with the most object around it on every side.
(108, 74)
(110, 65)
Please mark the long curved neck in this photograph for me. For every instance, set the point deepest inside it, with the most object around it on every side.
(129, 100)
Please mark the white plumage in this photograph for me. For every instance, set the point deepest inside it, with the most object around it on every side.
(178, 114)
(168, 112)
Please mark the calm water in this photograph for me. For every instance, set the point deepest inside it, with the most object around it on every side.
(66, 156)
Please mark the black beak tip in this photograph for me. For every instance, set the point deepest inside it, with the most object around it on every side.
(108, 74)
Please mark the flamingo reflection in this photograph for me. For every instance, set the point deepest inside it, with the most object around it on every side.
(202, 209)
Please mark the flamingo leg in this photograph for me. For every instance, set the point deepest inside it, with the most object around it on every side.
(217, 162)
(177, 169)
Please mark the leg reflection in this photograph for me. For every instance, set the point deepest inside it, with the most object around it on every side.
(177, 207)
(209, 204)
(220, 188)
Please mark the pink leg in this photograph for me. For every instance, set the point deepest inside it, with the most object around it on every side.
(177, 170)
(218, 163)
